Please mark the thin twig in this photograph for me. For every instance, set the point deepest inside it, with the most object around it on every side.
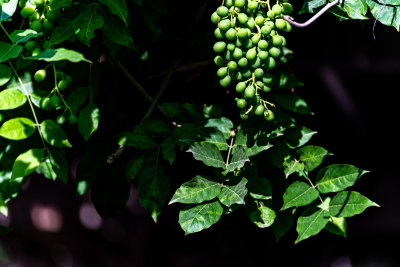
(312, 19)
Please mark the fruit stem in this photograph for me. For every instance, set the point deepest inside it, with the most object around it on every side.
(28, 96)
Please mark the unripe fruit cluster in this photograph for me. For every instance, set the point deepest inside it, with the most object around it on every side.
(249, 45)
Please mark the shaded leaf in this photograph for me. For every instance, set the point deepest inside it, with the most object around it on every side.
(153, 185)
(88, 120)
(5, 74)
(263, 216)
(208, 154)
(27, 162)
(239, 158)
(168, 149)
(260, 188)
(337, 177)
(283, 222)
(196, 218)
(23, 36)
(77, 97)
(355, 9)
(8, 51)
(53, 134)
(59, 164)
(298, 136)
(86, 23)
(337, 226)
(224, 125)
(133, 167)
(349, 203)
(292, 102)
(118, 8)
(139, 141)
(312, 6)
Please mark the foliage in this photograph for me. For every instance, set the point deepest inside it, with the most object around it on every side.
(263, 164)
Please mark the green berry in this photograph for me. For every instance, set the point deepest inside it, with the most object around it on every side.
(243, 62)
(241, 103)
(249, 92)
(280, 24)
(72, 119)
(240, 87)
(222, 72)
(243, 18)
(222, 11)
(219, 61)
(259, 110)
(269, 115)
(275, 52)
(259, 72)
(226, 81)
(27, 11)
(224, 24)
(62, 85)
(61, 119)
(40, 75)
(55, 101)
(219, 47)
(251, 54)
(215, 18)
(232, 65)
(30, 45)
(36, 25)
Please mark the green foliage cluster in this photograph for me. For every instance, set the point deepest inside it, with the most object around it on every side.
(263, 165)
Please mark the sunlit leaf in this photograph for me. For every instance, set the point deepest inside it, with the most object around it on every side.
(27, 162)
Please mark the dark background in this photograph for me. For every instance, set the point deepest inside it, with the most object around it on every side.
(351, 86)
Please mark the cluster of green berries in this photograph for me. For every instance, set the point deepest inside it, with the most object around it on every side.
(249, 45)
(41, 17)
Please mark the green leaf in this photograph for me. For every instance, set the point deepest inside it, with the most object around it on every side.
(62, 31)
(5, 74)
(337, 177)
(233, 193)
(139, 141)
(292, 102)
(156, 127)
(208, 154)
(59, 164)
(287, 81)
(292, 166)
(26, 82)
(88, 120)
(223, 124)
(168, 149)
(118, 8)
(356, 9)
(197, 190)
(312, 6)
(337, 226)
(60, 3)
(77, 97)
(298, 136)
(217, 139)
(17, 128)
(239, 158)
(194, 219)
(27, 162)
(46, 170)
(53, 134)
(260, 188)
(263, 217)
(23, 36)
(8, 51)
(310, 223)
(133, 167)
(386, 11)
(340, 14)
(312, 156)
(7, 10)
(11, 99)
(283, 223)
(116, 32)
(51, 55)
(86, 23)
(349, 203)
(153, 185)
(299, 194)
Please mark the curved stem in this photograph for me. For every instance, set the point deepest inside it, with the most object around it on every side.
(312, 19)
